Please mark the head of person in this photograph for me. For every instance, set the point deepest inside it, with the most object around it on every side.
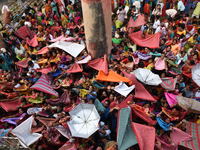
(106, 103)
(183, 53)
(91, 101)
(30, 64)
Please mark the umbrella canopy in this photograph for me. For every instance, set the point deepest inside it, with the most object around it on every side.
(71, 48)
(147, 77)
(43, 85)
(196, 74)
(85, 119)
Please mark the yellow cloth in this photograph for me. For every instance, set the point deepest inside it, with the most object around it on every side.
(150, 66)
(83, 93)
(197, 9)
(180, 33)
(42, 61)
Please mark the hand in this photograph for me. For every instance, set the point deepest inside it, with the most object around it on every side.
(117, 108)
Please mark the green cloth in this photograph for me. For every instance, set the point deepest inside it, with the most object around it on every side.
(171, 62)
(116, 41)
(5, 66)
(37, 100)
(126, 137)
(99, 106)
(98, 85)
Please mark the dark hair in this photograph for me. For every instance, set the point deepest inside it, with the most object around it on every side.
(61, 105)
(183, 52)
(168, 46)
(30, 63)
(108, 101)
(130, 58)
(192, 62)
(141, 64)
(92, 100)
(130, 49)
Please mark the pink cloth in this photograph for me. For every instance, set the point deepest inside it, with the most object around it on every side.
(22, 63)
(62, 38)
(145, 136)
(99, 64)
(140, 21)
(85, 60)
(171, 99)
(23, 32)
(42, 51)
(160, 64)
(150, 42)
(45, 70)
(33, 42)
(74, 69)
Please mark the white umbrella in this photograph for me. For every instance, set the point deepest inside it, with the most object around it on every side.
(85, 119)
(147, 77)
(196, 74)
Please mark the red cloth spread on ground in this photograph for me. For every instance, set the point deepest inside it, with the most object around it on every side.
(33, 42)
(23, 32)
(45, 70)
(194, 130)
(74, 68)
(140, 90)
(150, 42)
(43, 85)
(42, 51)
(112, 77)
(46, 121)
(99, 64)
(23, 63)
(13, 105)
(138, 111)
(140, 21)
(145, 136)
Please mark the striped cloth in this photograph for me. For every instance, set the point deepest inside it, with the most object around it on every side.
(194, 130)
(43, 85)
(168, 83)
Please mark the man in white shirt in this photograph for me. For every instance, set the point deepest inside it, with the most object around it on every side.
(19, 50)
(32, 66)
(171, 13)
(156, 23)
(181, 6)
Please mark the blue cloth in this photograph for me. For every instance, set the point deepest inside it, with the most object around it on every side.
(105, 115)
(198, 39)
(89, 96)
(188, 6)
(163, 124)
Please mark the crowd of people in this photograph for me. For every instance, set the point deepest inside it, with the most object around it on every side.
(27, 58)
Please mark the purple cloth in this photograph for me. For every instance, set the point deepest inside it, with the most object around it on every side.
(142, 56)
(13, 120)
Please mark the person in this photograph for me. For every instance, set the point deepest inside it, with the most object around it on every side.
(32, 66)
(7, 16)
(188, 90)
(91, 94)
(105, 114)
(121, 14)
(170, 13)
(196, 11)
(104, 130)
(181, 6)
(156, 23)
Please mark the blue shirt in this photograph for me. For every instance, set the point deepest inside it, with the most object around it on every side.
(105, 115)
(89, 96)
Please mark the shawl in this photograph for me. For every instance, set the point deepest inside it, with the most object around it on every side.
(163, 124)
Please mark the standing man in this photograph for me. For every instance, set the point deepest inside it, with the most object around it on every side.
(7, 16)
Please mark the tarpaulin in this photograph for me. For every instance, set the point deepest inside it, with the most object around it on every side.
(46, 121)
(73, 49)
(42, 51)
(123, 89)
(23, 63)
(138, 111)
(192, 129)
(125, 135)
(150, 42)
(168, 83)
(23, 133)
(99, 64)
(140, 21)
(85, 60)
(189, 104)
(23, 32)
(74, 68)
(112, 77)
(45, 70)
(171, 99)
(145, 136)
(33, 42)
(43, 85)
(140, 90)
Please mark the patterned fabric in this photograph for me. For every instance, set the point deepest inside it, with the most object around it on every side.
(36, 100)
(188, 104)
(168, 83)
(43, 85)
(9, 95)
(64, 98)
(192, 129)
